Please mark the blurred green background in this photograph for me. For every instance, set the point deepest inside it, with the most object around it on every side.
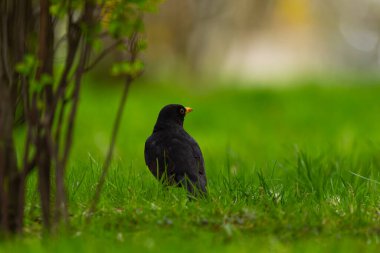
(264, 78)
(257, 125)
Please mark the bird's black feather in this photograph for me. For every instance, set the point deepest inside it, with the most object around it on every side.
(172, 155)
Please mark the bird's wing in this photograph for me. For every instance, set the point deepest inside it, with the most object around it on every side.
(179, 158)
(202, 179)
(199, 157)
(185, 156)
(154, 156)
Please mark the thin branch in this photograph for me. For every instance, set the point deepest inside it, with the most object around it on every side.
(61, 206)
(78, 78)
(60, 123)
(60, 41)
(27, 166)
(61, 199)
(73, 37)
(133, 51)
(30, 166)
(107, 162)
(103, 54)
(4, 48)
(85, 52)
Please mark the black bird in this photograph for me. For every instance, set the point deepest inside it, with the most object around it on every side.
(172, 155)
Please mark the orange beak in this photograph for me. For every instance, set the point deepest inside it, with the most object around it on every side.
(188, 109)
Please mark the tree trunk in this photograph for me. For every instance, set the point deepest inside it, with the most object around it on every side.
(9, 174)
(45, 57)
(15, 26)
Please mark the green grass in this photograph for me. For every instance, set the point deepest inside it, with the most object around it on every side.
(290, 170)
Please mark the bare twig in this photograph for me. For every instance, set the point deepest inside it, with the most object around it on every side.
(103, 54)
(133, 51)
(60, 124)
(61, 200)
(73, 37)
(107, 161)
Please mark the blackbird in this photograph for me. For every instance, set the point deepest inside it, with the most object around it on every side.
(172, 155)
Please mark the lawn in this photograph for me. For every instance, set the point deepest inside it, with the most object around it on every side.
(290, 169)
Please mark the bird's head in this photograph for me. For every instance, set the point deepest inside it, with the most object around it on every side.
(172, 115)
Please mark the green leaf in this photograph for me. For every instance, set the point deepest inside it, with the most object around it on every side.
(58, 9)
(46, 79)
(27, 66)
(35, 86)
(142, 44)
(127, 68)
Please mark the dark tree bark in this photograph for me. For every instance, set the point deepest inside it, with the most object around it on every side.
(15, 16)
(45, 57)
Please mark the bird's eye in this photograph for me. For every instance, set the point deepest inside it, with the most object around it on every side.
(182, 111)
